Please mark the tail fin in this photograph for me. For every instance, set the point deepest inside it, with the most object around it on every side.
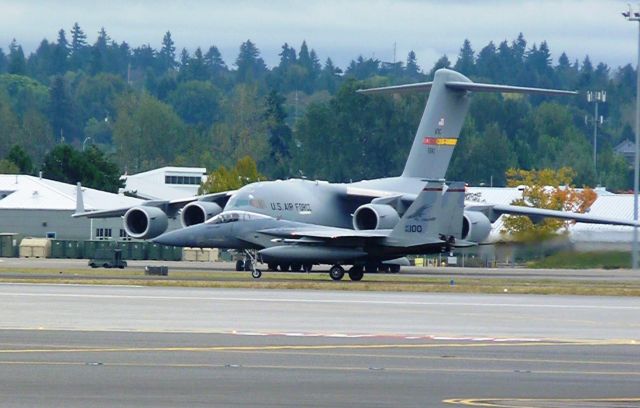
(79, 199)
(421, 220)
(443, 118)
(452, 211)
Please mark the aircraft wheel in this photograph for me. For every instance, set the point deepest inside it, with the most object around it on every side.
(239, 265)
(256, 274)
(296, 267)
(371, 268)
(272, 266)
(394, 268)
(356, 273)
(307, 267)
(336, 272)
(384, 268)
(284, 267)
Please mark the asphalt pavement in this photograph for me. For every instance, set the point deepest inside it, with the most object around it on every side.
(77, 345)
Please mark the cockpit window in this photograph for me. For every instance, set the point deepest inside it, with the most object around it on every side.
(233, 216)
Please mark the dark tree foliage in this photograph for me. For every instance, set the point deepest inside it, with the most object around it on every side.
(61, 110)
(153, 106)
(91, 167)
(21, 159)
(17, 62)
(251, 66)
(280, 136)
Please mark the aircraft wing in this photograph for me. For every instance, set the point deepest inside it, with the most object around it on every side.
(171, 207)
(324, 233)
(539, 213)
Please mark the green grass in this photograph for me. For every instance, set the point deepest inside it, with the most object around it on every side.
(585, 260)
(320, 281)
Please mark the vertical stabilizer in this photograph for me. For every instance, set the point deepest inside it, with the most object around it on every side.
(421, 219)
(439, 127)
(79, 199)
(452, 211)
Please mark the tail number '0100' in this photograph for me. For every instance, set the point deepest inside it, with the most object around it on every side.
(412, 228)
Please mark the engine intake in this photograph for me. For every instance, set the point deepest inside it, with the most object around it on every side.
(145, 222)
(375, 216)
(475, 226)
(198, 212)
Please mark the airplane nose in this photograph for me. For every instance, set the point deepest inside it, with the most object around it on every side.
(183, 237)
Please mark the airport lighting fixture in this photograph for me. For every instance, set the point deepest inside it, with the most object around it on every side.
(596, 97)
(631, 15)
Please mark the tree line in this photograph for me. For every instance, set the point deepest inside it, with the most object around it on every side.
(141, 108)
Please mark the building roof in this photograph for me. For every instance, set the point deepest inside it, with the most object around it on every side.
(165, 183)
(28, 192)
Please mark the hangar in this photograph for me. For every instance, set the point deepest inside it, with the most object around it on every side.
(38, 207)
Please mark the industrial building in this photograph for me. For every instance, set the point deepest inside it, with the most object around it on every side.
(165, 183)
(37, 207)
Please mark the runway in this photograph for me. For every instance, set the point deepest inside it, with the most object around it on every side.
(65, 345)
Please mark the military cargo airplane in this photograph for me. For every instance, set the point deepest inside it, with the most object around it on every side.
(365, 205)
(431, 224)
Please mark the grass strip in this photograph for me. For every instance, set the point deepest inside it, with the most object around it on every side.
(319, 281)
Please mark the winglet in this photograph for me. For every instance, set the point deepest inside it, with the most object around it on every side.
(79, 199)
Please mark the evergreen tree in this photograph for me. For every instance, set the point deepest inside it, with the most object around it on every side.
(250, 66)
(330, 76)
(60, 54)
(412, 69)
(215, 65)
(487, 62)
(280, 136)
(443, 62)
(60, 110)
(3, 61)
(17, 62)
(167, 54)
(466, 59)
(78, 47)
(21, 159)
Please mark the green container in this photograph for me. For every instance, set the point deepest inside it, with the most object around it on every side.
(137, 250)
(154, 251)
(171, 253)
(9, 245)
(57, 248)
(89, 247)
(73, 249)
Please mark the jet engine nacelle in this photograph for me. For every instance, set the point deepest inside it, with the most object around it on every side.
(475, 226)
(375, 216)
(198, 212)
(145, 222)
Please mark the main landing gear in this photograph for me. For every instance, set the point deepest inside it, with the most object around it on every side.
(355, 272)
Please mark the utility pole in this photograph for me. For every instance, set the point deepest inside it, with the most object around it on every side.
(596, 97)
(635, 16)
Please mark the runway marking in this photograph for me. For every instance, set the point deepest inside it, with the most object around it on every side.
(366, 368)
(451, 358)
(517, 402)
(322, 301)
(298, 347)
(548, 340)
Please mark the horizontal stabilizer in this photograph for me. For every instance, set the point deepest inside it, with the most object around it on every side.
(463, 86)
(399, 89)
(474, 87)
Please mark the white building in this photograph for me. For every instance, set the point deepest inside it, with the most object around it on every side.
(39, 207)
(607, 204)
(166, 183)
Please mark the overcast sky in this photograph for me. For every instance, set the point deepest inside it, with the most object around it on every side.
(341, 30)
